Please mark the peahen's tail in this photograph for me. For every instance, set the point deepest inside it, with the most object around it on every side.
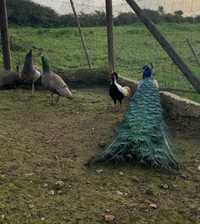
(142, 136)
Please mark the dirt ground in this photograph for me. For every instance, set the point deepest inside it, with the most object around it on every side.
(43, 178)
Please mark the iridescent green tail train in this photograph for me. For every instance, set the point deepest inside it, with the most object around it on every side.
(142, 136)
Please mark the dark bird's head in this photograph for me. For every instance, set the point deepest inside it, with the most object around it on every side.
(147, 72)
(45, 64)
(114, 76)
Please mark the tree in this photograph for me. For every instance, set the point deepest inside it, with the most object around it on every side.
(161, 10)
(178, 13)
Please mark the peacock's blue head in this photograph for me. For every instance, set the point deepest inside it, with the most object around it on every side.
(147, 72)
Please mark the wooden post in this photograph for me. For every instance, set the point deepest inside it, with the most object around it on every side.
(4, 35)
(81, 34)
(195, 82)
(109, 21)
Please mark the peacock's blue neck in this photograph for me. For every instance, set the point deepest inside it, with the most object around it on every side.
(46, 68)
(147, 73)
(45, 65)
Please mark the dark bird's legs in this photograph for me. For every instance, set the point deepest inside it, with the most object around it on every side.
(120, 106)
(117, 107)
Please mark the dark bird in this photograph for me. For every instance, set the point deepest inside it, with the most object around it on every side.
(54, 83)
(30, 72)
(116, 91)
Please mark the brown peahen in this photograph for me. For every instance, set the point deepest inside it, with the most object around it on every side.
(30, 73)
(54, 83)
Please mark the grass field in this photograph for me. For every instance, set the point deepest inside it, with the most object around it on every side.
(134, 47)
(43, 144)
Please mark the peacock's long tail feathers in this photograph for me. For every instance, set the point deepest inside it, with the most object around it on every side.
(142, 136)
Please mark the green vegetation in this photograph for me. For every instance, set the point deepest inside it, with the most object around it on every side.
(27, 13)
(32, 14)
(134, 47)
(43, 144)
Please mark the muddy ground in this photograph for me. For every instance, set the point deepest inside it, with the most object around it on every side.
(43, 144)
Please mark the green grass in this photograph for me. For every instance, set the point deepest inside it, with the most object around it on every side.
(41, 144)
(134, 47)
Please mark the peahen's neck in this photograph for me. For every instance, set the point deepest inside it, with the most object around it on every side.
(45, 66)
(28, 64)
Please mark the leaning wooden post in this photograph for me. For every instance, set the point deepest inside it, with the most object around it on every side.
(109, 21)
(4, 35)
(81, 34)
(195, 82)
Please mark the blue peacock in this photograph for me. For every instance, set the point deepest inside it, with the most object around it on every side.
(142, 136)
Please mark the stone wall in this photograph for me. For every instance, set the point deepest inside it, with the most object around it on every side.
(180, 110)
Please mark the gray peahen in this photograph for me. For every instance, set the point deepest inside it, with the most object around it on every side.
(53, 82)
(142, 136)
(30, 72)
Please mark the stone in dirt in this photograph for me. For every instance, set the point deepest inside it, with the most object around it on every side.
(99, 171)
(109, 218)
(59, 184)
(164, 186)
(153, 205)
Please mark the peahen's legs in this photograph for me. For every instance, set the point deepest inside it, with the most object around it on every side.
(33, 89)
(51, 99)
(57, 99)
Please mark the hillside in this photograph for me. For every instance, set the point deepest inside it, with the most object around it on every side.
(189, 7)
(33, 14)
(30, 13)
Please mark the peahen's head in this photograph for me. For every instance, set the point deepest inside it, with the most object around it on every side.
(28, 62)
(29, 55)
(45, 64)
(147, 72)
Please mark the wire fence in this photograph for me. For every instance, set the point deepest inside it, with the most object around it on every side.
(134, 46)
